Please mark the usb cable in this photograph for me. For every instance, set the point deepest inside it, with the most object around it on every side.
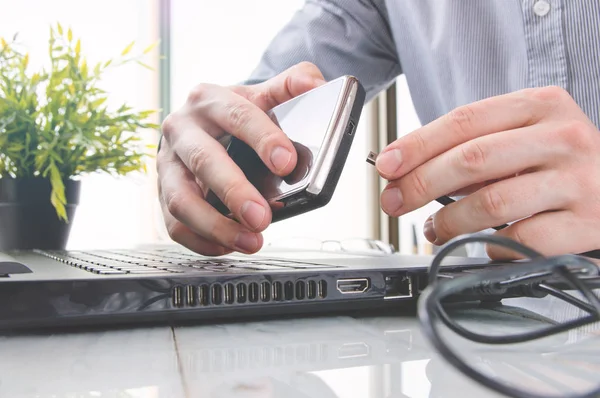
(537, 277)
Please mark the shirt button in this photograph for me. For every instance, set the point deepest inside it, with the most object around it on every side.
(541, 8)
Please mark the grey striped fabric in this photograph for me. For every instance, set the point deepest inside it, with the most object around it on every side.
(452, 52)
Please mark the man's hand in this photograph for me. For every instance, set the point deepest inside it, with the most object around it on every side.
(192, 161)
(531, 157)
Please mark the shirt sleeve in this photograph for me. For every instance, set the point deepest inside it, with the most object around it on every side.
(341, 37)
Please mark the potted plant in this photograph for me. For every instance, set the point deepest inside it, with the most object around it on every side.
(54, 128)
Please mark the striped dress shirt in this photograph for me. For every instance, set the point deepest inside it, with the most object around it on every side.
(452, 52)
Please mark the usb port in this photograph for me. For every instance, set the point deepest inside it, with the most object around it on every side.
(350, 128)
(353, 286)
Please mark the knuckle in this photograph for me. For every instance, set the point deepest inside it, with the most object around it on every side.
(262, 140)
(548, 93)
(168, 126)
(239, 115)
(418, 142)
(231, 189)
(419, 184)
(519, 236)
(175, 231)
(215, 234)
(493, 204)
(577, 135)
(197, 93)
(198, 157)
(307, 66)
(461, 119)
(175, 203)
(472, 157)
(443, 229)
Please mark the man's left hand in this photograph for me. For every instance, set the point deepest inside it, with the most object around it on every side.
(530, 158)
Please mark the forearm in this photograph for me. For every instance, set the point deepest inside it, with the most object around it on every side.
(340, 38)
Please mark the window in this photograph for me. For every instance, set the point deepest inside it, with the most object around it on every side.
(113, 212)
(211, 41)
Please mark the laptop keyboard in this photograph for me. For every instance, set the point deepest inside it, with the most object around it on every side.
(116, 262)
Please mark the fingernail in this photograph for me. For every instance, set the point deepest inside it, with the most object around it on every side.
(391, 200)
(428, 230)
(280, 157)
(246, 242)
(253, 214)
(389, 162)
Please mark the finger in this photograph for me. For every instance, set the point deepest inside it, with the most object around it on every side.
(209, 162)
(177, 230)
(473, 188)
(540, 233)
(482, 159)
(491, 115)
(180, 196)
(500, 203)
(186, 237)
(288, 84)
(241, 118)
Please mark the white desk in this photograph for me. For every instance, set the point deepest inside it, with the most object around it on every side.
(340, 357)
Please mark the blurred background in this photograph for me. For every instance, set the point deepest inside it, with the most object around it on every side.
(204, 41)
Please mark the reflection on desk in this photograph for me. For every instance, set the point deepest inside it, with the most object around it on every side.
(342, 357)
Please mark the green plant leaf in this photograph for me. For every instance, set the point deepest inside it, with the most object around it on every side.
(98, 102)
(68, 130)
(144, 65)
(128, 48)
(151, 47)
(57, 195)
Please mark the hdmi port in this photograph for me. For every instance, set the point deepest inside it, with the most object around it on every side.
(353, 350)
(353, 286)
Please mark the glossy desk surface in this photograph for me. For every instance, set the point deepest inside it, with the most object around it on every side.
(340, 356)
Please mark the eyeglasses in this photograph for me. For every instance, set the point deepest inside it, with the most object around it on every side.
(352, 245)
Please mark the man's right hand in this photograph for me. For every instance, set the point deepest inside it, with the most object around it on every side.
(192, 161)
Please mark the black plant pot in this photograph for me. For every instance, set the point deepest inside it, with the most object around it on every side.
(27, 218)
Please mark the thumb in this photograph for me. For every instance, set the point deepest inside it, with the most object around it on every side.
(290, 83)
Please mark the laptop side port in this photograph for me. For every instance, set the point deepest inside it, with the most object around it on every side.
(398, 287)
(353, 350)
(352, 286)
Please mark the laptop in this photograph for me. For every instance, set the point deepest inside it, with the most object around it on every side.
(170, 284)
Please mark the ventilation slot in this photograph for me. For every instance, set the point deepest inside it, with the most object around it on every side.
(253, 292)
(190, 296)
(216, 294)
(242, 293)
(265, 292)
(277, 291)
(300, 290)
(229, 293)
(311, 290)
(288, 291)
(203, 295)
(177, 296)
(322, 289)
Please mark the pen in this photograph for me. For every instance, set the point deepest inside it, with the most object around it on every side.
(443, 200)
